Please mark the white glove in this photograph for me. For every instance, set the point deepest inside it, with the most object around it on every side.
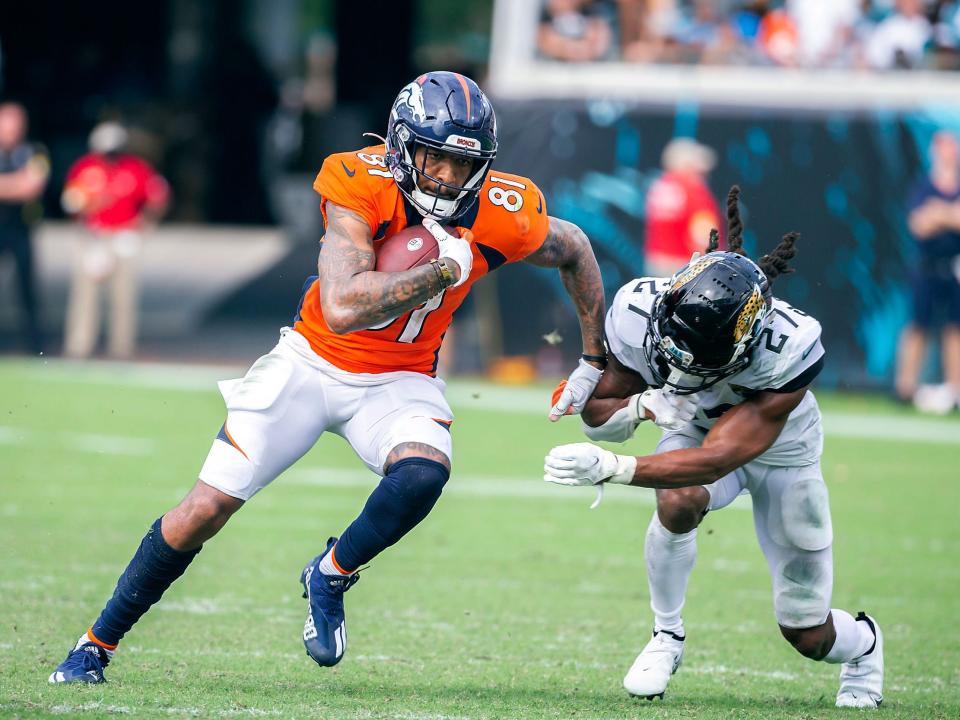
(455, 248)
(669, 411)
(586, 464)
(578, 390)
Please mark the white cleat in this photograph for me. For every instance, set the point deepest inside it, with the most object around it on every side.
(861, 680)
(651, 671)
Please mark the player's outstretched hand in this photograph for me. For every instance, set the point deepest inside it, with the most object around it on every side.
(577, 391)
(586, 464)
(455, 248)
(668, 410)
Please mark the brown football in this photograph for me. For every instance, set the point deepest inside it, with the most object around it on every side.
(408, 248)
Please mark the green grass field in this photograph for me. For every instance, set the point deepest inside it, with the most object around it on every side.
(512, 600)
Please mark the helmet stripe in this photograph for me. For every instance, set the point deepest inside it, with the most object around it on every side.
(466, 91)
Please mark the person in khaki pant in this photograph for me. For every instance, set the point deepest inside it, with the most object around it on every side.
(114, 195)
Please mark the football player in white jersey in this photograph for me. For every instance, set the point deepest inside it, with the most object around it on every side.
(724, 368)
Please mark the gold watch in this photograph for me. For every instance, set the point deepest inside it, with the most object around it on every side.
(446, 274)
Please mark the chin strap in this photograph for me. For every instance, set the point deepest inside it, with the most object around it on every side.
(422, 199)
(675, 377)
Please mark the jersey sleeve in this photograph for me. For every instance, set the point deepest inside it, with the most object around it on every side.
(342, 182)
(626, 323)
(154, 187)
(536, 225)
(801, 352)
(517, 213)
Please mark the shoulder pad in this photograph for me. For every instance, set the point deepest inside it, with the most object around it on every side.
(628, 318)
(789, 345)
(512, 215)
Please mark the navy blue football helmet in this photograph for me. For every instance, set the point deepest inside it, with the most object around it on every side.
(444, 111)
(704, 326)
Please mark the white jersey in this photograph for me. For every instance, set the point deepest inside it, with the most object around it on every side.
(787, 357)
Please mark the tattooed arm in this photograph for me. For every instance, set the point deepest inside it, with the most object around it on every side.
(568, 248)
(352, 295)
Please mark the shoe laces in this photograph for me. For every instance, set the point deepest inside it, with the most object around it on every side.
(665, 638)
(342, 583)
(664, 642)
(85, 658)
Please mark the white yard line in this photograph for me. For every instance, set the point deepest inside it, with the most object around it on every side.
(108, 444)
(517, 486)
(95, 706)
(886, 427)
(162, 376)
(460, 484)
(99, 708)
(463, 395)
(96, 443)
(12, 435)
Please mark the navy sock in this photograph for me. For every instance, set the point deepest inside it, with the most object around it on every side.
(152, 570)
(403, 498)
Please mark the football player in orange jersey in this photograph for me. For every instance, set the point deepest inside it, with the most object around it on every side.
(360, 359)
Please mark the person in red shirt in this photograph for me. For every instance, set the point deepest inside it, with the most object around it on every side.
(680, 208)
(115, 196)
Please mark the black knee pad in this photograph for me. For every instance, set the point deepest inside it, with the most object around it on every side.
(416, 481)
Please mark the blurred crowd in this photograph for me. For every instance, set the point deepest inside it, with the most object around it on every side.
(846, 34)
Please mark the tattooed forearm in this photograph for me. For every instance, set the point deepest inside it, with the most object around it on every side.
(568, 248)
(352, 295)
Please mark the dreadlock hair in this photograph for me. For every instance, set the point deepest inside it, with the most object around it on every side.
(773, 264)
(776, 263)
(734, 223)
(714, 243)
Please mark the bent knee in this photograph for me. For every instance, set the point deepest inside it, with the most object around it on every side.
(418, 479)
(207, 508)
(681, 510)
(813, 643)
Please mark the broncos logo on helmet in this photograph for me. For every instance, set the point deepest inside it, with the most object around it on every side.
(707, 322)
(411, 97)
(443, 111)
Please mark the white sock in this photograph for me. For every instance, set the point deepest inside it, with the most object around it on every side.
(853, 638)
(85, 638)
(327, 566)
(670, 558)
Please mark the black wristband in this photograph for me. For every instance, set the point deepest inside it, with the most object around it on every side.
(602, 359)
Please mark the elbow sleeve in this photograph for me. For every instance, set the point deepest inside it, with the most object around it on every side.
(620, 426)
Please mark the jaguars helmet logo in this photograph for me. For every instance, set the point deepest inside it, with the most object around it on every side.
(692, 270)
(751, 314)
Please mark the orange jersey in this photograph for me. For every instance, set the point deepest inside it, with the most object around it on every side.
(508, 221)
